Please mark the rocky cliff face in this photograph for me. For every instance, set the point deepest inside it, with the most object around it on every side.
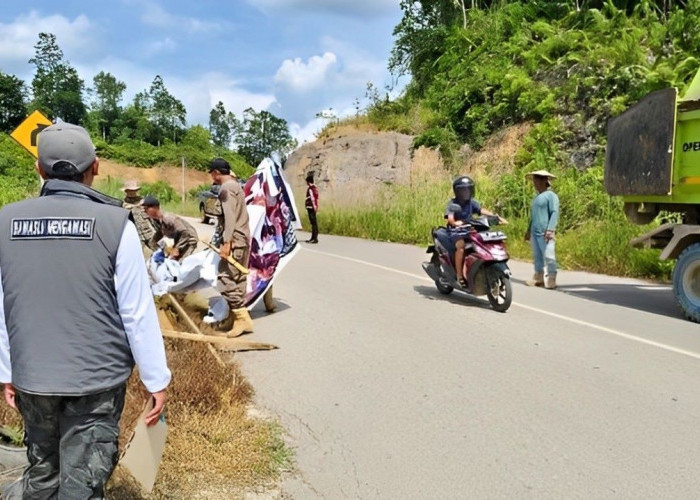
(350, 164)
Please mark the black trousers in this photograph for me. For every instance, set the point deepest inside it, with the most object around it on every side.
(313, 222)
(72, 443)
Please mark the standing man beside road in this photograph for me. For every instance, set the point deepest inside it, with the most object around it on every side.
(132, 202)
(171, 226)
(76, 312)
(543, 224)
(235, 236)
(311, 204)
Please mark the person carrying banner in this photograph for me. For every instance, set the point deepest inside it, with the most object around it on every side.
(235, 235)
(76, 312)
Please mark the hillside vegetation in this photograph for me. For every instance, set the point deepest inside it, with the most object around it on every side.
(564, 67)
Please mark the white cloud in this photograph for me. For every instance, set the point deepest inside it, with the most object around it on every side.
(156, 16)
(299, 76)
(17, 39)
(308, 132)
(202, 94)
(332, 80)
(161, 46)
(352, 7)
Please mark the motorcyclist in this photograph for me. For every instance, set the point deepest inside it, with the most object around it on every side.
(460, 210)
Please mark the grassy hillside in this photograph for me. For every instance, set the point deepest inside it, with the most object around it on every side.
(564, 70)
(18, 179)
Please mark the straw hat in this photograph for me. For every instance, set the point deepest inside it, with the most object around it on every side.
(131, 185)
(541, 173)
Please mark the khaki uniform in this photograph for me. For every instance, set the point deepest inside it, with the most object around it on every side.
(144, 226)
(184, 235)
(234, 229)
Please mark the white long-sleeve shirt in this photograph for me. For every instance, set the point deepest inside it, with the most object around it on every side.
(136, 309)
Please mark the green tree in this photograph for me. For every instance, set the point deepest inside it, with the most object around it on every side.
(261, 134)
(166, 112)
(57, 89)
(222, 125)
(154, 116)
(13, 109)
(420, 38)
(133, 122)
(105, 108)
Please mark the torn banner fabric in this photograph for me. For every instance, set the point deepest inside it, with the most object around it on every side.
(273, 221)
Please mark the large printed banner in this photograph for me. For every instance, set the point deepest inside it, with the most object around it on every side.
(273, 219)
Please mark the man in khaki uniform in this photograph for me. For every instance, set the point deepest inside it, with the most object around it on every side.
(132, 202)
(171, 226)
(235, 243)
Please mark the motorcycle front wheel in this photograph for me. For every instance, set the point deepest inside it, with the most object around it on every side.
(443, 287)
(499, 290)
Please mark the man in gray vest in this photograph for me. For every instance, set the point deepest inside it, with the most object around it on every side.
(76, 313)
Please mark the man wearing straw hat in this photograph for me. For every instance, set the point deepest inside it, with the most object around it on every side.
(543, 223)
(132, 202)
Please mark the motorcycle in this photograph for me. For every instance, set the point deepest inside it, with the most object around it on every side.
(485, 269)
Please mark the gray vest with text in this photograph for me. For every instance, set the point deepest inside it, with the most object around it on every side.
(57, 259)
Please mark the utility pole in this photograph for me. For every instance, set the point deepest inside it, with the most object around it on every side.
(183, 179)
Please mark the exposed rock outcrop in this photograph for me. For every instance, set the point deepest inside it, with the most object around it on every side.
(351, 164)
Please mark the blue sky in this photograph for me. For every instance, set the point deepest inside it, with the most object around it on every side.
(294, 58)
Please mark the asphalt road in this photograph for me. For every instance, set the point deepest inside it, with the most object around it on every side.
(389, 390)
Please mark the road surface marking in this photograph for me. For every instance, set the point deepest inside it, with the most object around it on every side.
(611, 331)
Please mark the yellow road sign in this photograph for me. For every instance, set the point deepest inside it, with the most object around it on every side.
(27, 131)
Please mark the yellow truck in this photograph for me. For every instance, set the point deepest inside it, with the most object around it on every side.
(652, 161)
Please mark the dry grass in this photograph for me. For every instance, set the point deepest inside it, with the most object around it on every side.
(214, 450)
(498, 154)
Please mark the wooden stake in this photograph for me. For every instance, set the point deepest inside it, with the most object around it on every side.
(222, 342)
(186, 317)
(229, 258)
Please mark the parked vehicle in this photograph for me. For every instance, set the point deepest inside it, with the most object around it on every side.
(209, 204)
(652, 162)
(486, 268)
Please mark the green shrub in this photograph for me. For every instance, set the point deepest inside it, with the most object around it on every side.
(18, 177)
(161, 190)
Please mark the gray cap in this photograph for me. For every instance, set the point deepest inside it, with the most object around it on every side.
(64, 147)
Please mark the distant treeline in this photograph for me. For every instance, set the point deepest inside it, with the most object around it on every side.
(150, 129)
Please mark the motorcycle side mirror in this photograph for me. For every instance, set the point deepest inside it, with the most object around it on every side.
(454, 207)
(493, 220)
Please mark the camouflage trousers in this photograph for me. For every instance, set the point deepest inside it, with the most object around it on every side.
(72, 443)
(232, 282)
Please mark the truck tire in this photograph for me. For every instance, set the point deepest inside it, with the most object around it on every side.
(686, 281)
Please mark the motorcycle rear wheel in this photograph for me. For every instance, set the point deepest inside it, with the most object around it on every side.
(499, 291)
(441, 284)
